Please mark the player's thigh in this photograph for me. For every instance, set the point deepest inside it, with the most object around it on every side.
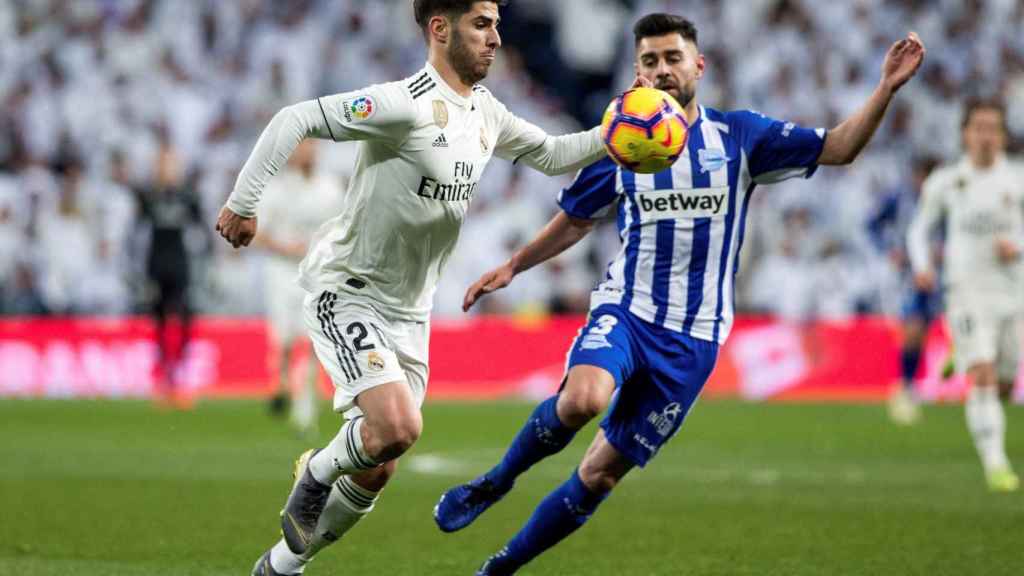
(391, 412)
(649, 408)
(603, 465)
(602, 356)
(975, 335)
(1008, 353)
(349, 339)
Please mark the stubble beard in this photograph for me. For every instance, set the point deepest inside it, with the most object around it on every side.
(463, 61)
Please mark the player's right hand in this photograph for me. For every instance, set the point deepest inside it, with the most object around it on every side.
(925, 281)
(491, 281)
(238, 231)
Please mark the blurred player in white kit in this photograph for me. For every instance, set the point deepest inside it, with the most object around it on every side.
(298, 201)
(981, 198)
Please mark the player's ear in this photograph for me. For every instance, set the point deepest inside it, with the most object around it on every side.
(438, 27)
(700, 65)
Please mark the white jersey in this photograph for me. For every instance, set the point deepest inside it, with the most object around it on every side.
(979, 207)
(423, 149)
(295, 208)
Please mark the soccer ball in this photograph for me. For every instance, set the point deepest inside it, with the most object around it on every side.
(644, 130)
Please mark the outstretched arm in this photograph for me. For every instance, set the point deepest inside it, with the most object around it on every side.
(844, 143)
(561, 233)
(382, 113)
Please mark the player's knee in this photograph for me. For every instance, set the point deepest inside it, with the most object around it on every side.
(396, 434)
(582, 400)
(598, 479)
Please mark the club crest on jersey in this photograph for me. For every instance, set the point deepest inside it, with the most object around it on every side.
(711, 159)
(361, 108)
(484, 146)
(440, 114)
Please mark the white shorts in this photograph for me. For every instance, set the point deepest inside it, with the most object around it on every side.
(984, 334)
(284, 307)
(360, 348)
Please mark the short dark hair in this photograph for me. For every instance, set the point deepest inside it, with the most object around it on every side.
(424, 10)
(660, 24)
(976, 103)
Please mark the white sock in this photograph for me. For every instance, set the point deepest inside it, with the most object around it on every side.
(284, 561)
(344, 455)
(347, 505)
(987, 424)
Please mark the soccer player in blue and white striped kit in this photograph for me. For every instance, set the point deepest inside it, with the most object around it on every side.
(666, 303)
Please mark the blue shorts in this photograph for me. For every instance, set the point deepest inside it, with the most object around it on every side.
(922, 305)
(658, 376)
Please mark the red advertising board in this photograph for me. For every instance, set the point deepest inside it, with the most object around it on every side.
(474, 358)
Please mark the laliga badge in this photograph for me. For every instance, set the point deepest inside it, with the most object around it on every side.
(440, 114)
(483, 141)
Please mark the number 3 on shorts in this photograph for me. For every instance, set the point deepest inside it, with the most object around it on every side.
(597, 336)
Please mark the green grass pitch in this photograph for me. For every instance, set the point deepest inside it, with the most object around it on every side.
(112, 488)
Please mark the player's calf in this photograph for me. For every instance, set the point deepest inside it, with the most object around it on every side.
(566, 509)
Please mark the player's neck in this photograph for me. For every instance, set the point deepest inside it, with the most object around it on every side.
(692, 111)
(983, 162)
(448, 74)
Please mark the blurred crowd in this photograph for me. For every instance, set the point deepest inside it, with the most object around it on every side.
(109, 106)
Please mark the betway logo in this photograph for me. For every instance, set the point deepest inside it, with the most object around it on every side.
(687, 203)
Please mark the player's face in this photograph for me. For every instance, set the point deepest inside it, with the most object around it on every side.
(474, 42)
(984, 136)
(672, 64)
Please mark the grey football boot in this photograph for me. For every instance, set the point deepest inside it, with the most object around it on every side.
(304, 506)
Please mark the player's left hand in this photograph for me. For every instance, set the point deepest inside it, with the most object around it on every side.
(902, 61)
(238, 231)
(1007, 251)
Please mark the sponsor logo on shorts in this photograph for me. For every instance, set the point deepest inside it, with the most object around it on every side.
(594, 342)
(375, 361)
(643, 441)
(666, 420)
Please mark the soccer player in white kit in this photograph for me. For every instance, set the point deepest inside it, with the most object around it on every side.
(423, 145)
(298, 201)
(981, 198)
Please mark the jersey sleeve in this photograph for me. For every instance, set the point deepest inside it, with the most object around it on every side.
(928, 215)
(593, 193)
(778, 150)
(522, 141)
(382, 112)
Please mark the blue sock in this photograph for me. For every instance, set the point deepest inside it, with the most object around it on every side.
(910, 357)
(541, 436)
(557, 516)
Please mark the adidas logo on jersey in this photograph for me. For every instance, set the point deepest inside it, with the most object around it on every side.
(441, 141)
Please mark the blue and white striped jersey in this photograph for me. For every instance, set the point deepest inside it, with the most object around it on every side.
(682, 229)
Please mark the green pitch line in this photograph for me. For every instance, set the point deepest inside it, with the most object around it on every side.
(105, 488)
